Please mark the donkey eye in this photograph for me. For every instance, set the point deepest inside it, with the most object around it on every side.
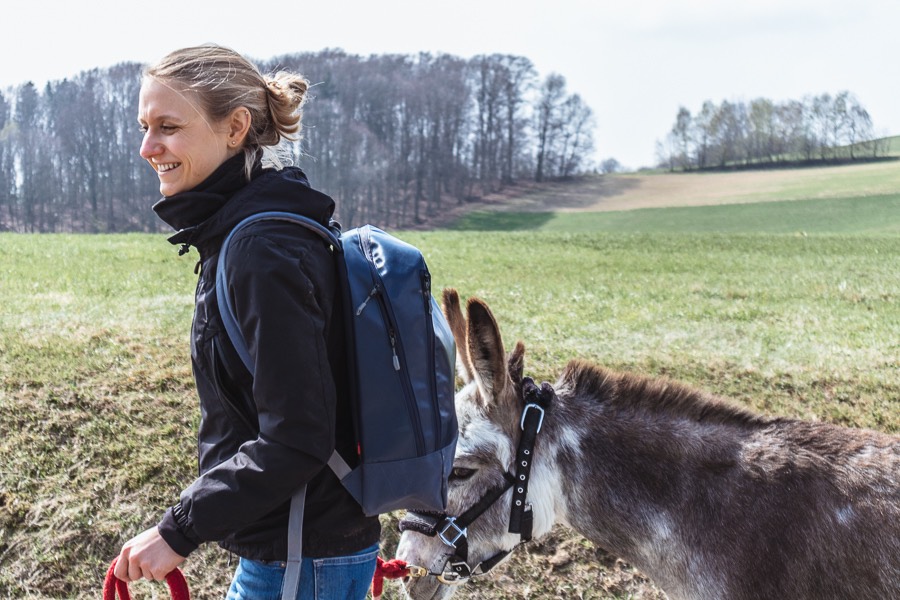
(461, 473)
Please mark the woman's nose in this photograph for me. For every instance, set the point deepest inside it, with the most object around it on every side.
(150, 147)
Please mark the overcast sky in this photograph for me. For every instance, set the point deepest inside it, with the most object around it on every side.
(634, 62)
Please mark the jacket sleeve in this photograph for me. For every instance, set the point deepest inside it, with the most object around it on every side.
(282, 294)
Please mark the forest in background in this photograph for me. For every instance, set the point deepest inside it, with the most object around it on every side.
(395, 139)
(815, 130)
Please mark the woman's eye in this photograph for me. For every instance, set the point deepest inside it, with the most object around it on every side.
(461, 473)
(166, 129)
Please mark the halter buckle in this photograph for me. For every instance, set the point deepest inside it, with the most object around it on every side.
(450, 578)
(460, 533)
(525, 412)
(458, 573)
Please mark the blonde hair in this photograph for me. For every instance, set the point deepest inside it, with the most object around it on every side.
(223, 80)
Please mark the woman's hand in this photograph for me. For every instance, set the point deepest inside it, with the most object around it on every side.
(146, 556)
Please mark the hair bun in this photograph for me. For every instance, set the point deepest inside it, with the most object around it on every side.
(287, 88)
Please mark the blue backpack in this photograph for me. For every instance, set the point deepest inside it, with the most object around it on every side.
(401, 357)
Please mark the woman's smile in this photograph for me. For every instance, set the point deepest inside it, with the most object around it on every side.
(166, 167)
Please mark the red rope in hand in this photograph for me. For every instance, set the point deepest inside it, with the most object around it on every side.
(177, 585)
(391, 569)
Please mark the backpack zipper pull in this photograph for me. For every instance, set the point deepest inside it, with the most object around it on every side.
(394, 352)
(366, 301)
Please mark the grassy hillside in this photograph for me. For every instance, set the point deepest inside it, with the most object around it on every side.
(631, 191)
(870, 214)
(891, 146)
(98, 413)
(894, 149)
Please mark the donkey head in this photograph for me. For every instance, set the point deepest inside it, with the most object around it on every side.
(488, 409)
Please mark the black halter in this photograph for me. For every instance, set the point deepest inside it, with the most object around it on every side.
(453, 531)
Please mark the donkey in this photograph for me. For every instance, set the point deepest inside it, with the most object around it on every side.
(710, 501)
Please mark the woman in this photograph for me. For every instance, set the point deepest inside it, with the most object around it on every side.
(213, 126)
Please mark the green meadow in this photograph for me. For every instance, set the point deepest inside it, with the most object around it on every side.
(789, 308)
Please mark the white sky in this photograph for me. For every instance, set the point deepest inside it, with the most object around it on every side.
(634, 62)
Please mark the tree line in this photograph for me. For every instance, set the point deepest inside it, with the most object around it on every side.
(823, 128)
(395, 139)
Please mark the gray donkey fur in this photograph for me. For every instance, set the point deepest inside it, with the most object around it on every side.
(708, 500)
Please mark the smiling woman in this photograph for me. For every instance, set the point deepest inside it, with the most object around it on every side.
(214, 128)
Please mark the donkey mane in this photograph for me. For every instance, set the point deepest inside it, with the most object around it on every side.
(630, 392)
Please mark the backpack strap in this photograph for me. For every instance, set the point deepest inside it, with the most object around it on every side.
(291, 583)
(226, 310)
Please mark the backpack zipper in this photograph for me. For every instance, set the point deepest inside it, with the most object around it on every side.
(391, 335)
(432, 367)
(387, 314)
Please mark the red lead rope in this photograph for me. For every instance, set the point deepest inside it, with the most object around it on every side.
(390, 569)
(177, 585)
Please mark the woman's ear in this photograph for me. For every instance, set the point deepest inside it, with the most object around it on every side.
(238, 127)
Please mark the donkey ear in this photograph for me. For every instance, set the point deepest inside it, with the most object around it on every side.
(516, 364)
(485, 349)
(457, 323)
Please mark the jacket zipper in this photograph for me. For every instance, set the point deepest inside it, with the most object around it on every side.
(222, 391)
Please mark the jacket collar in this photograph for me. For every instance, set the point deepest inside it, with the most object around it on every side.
(204, 216)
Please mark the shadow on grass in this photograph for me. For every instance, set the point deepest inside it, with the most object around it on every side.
(502, 221)
(777, 165)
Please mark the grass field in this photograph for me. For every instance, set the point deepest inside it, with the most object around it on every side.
(793, 311)
(871, 214)
(860, 197)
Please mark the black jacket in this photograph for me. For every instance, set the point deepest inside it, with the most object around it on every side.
(261, 438)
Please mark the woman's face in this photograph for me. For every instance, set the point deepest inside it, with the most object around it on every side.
(180, 142)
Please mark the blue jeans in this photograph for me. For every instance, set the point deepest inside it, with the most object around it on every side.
(339, 578)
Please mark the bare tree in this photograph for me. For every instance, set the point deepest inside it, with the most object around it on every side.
(519, 79)
(761, 139)
(576, 141)
(703, 135)
(681, 134)
(552, 95)
(610, 165)
(7, 166)
(27, 135)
